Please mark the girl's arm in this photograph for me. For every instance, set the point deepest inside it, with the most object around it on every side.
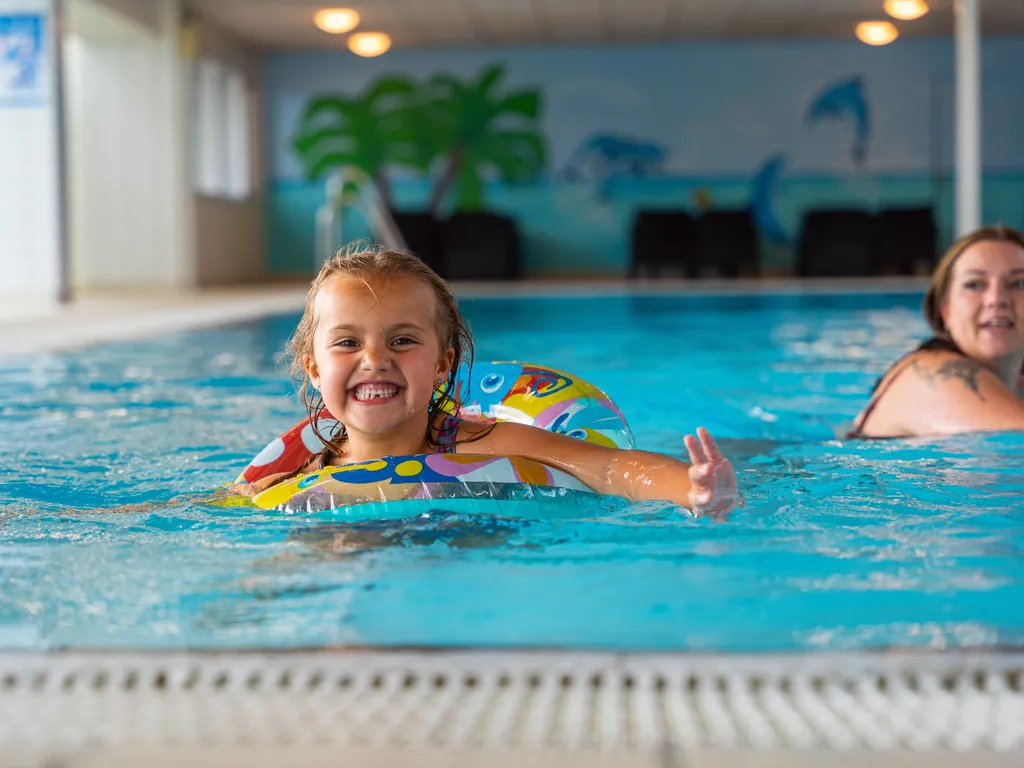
(258, 486)
(707, 486)
(235, 496)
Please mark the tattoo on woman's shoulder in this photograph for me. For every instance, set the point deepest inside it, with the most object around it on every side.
(957, 369)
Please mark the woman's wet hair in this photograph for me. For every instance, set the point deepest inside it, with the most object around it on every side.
(942, 277)
(380, 268)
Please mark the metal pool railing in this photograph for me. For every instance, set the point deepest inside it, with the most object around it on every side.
(498, 708)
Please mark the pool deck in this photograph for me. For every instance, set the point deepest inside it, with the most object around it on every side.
(426, 708)
(31, 326)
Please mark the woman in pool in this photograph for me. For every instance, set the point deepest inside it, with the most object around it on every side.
(967, 378)
(380, 342)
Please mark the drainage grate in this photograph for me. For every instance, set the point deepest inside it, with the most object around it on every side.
(514, 701)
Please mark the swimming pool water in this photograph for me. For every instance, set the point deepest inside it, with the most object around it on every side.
(840, 544)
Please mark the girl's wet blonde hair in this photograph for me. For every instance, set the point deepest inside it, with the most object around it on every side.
(942, 277)
(380, 267)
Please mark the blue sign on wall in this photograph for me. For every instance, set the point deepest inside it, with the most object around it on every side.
(23, 60)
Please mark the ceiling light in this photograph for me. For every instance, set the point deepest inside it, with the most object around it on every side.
(337, 21)
(876, 32)
(907, 10)
(369, 43)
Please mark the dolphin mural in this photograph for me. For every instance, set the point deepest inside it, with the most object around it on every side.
(762, 196)
(605, 156)
(841, 99)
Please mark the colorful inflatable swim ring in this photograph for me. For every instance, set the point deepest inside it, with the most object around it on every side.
(516, 392)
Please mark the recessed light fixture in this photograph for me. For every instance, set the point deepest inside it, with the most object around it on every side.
(906, 10)
(336, 21)
(369, 43)
(876, 32)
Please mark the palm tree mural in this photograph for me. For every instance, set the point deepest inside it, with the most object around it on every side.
(370, 132)
(480, 130)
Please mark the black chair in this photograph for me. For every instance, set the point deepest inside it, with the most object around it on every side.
(479, 245)
(727, 243)
(422, 235)
(836, 243)
(662, 239)
(906, 241)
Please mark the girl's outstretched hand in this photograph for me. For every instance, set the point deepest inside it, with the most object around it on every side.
(713, 488)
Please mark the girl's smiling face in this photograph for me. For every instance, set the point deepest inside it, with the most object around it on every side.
(377, 359)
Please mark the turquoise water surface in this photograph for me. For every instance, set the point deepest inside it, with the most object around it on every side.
(840, 544)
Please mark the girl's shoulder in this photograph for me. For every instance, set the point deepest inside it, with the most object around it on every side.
(448, 430)
(457, 434)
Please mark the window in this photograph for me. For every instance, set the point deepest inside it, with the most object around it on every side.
(238, 152)
(221, 131)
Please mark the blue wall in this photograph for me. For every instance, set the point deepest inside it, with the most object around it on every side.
(780, 126)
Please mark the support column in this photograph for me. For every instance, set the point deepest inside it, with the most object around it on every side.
(132, 219)
(968, 116)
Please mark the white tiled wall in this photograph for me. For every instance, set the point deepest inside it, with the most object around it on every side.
(129, 202)
(30, 215)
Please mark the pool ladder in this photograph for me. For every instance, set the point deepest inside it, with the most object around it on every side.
(367, 200)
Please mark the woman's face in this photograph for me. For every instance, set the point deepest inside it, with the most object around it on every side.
(984, 306)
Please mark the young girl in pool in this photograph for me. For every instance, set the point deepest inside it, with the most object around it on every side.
(380, 342)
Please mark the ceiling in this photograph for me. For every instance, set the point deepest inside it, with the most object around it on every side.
(96, 21)
(288, 24)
